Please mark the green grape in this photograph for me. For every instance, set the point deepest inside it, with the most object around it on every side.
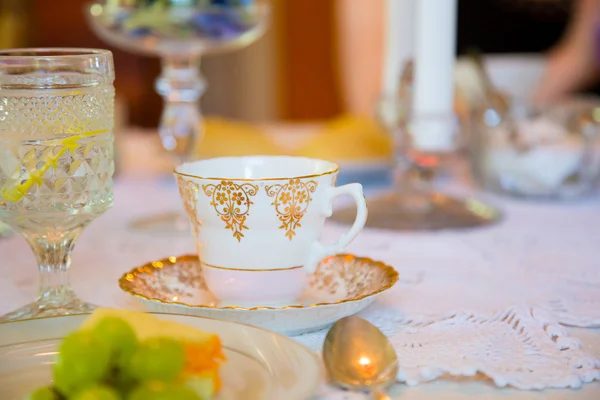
(82, 361)
(62, 382)
(123, 382)
(157, 358)
(97, 392)
(119, 336)
(45, 393)
(159, 390)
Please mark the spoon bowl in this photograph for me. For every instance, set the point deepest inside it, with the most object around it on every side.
(358, 356)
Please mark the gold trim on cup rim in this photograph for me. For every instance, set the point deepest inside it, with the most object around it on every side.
(336, 168)
(127, 278)
(248, 270)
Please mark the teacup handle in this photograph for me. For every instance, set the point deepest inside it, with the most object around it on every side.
(319, 250)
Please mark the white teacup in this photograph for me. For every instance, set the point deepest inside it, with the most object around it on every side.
(257, 223)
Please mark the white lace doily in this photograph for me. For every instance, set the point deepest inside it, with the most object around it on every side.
(520, 347)
(493, 301)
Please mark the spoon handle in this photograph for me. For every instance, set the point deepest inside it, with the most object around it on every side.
(379, 394)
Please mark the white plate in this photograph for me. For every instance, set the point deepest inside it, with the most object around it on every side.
(342, 285)
(261, 365)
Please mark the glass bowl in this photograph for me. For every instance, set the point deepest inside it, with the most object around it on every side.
(531, 151)
(175, 27)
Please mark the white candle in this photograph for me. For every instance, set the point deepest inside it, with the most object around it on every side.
(435, 42)
(399, 42)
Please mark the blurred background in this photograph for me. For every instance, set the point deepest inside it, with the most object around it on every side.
(326, 56)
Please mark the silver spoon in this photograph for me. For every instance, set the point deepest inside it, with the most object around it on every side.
(358, 356)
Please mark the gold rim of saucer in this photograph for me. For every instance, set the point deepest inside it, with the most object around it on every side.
(148, 268)
(336, 168)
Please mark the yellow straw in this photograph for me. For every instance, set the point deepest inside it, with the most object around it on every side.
(13, 191)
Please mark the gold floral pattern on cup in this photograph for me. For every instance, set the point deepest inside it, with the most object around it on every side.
(232, 203)
(291, 202)
(188, 191)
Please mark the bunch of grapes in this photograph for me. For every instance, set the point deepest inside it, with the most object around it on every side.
(110, 363)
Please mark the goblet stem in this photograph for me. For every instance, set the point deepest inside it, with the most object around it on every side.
(56, 297)
(415, 171)
(181, 86)
(411, 185)
(54, 258)
(181, 127)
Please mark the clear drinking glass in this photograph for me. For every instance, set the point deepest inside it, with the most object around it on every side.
(56, 159)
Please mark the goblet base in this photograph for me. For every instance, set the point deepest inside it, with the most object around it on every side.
(427, 212)
(41, 309)
(171, 223)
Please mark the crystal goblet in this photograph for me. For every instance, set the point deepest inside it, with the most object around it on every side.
(56, 159)
(180, 33)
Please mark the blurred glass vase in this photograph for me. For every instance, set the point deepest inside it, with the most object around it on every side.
(180, 32)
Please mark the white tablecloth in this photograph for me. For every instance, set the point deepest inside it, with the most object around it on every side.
(539, 267)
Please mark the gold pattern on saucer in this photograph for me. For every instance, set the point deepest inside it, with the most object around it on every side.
(232, 203)
(339, 279)
(291, 202)
(250, 270)
(188, 191)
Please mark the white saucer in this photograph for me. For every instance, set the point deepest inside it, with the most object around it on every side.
(342, 285)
